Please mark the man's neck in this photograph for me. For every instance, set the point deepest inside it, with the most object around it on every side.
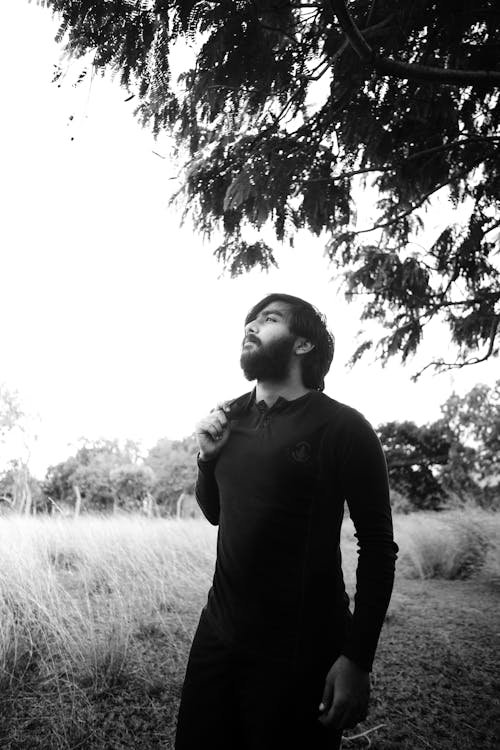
(270, 392)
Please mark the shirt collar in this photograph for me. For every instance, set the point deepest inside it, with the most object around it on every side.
(279, 405)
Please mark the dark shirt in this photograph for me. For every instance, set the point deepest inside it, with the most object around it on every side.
(277, 491)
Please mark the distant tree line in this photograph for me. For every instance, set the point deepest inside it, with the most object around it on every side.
(109, 476)
(453, 460)
(106, 476)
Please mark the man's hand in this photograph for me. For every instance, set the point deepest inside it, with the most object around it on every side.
(213, 432)
(346, 694)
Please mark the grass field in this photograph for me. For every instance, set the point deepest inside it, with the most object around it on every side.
(97, 616)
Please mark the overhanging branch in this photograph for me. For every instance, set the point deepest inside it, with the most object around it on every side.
(403, 214)
(390, 167)
(398, 69)
(441, 365)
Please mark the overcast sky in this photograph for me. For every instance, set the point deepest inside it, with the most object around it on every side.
(115, 321)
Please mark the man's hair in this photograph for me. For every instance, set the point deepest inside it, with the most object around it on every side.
(305, 320)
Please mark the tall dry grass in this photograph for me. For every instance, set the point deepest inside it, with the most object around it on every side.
(74, 593)
(77, 598)
(457, 544)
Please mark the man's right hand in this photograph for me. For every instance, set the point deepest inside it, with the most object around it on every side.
(213, 432)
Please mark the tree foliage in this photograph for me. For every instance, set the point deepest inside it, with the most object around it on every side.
(102, 474)
(414, 456)
(106, 476)
(290, 104)
(455, 459)
(11, 410)
(19, 490)
(173, 463)
(474, 424)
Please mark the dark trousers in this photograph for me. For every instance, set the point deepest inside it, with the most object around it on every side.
(234, 702)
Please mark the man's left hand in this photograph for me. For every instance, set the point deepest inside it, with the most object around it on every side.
(346, 694)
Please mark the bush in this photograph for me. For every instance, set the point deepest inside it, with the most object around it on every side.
(450, 545)
(401, 503)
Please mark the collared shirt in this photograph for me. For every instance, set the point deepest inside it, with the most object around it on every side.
(277, 491)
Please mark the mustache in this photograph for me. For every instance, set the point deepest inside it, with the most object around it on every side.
(251, 339)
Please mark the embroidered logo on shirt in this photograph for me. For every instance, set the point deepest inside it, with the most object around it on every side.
(301, 452)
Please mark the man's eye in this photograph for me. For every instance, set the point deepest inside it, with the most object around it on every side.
(269, 317)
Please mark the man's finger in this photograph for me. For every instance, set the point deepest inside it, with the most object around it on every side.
(338, 713)
(219, 422)
(214, 421)
(219, 415)
(222, 406)
(212, 431)
(350, 717)
(352, 720)
(326, 698)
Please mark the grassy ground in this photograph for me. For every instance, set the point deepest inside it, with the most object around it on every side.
(96, 619)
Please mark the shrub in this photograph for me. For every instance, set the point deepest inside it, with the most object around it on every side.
(401, 503)
(451, 545)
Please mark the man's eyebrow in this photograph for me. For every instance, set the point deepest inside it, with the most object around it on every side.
(272, 311)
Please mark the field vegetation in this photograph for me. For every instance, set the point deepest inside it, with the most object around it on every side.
(97, 616)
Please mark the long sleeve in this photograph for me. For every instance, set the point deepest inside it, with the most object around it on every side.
(365, 486)
(207, 491)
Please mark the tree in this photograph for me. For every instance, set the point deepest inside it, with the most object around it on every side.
(19, 489)
(132, 485)
(103, 475)
(174, 465)
(291, 104)
(453, 460)
(415, 455)
(11, 410)
(59, 484)
(107, 475)
(474, 424)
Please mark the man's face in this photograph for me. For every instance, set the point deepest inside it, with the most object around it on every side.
(268, 344)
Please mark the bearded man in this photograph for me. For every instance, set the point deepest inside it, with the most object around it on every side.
(278, 662)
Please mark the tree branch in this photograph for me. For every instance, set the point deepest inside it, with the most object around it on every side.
(441, 365)
(371, 11)
(439, 301)
(399, 69)
(417, 460)
(452, 144)
(353, 34)
(416, 155)
(447, 76)
(495, 225)
(279, 31)
(404, 214)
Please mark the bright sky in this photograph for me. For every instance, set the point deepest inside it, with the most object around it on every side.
(114, 319)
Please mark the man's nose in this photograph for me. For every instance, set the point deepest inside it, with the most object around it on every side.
(251, 327)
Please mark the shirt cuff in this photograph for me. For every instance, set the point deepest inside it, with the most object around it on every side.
(363, 661)
(202, 462)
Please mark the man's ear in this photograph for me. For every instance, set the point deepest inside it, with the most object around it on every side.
(303, 346)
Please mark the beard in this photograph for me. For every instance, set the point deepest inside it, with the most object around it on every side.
(269, 362)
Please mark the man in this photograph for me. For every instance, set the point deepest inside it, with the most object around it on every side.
(278, 662)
